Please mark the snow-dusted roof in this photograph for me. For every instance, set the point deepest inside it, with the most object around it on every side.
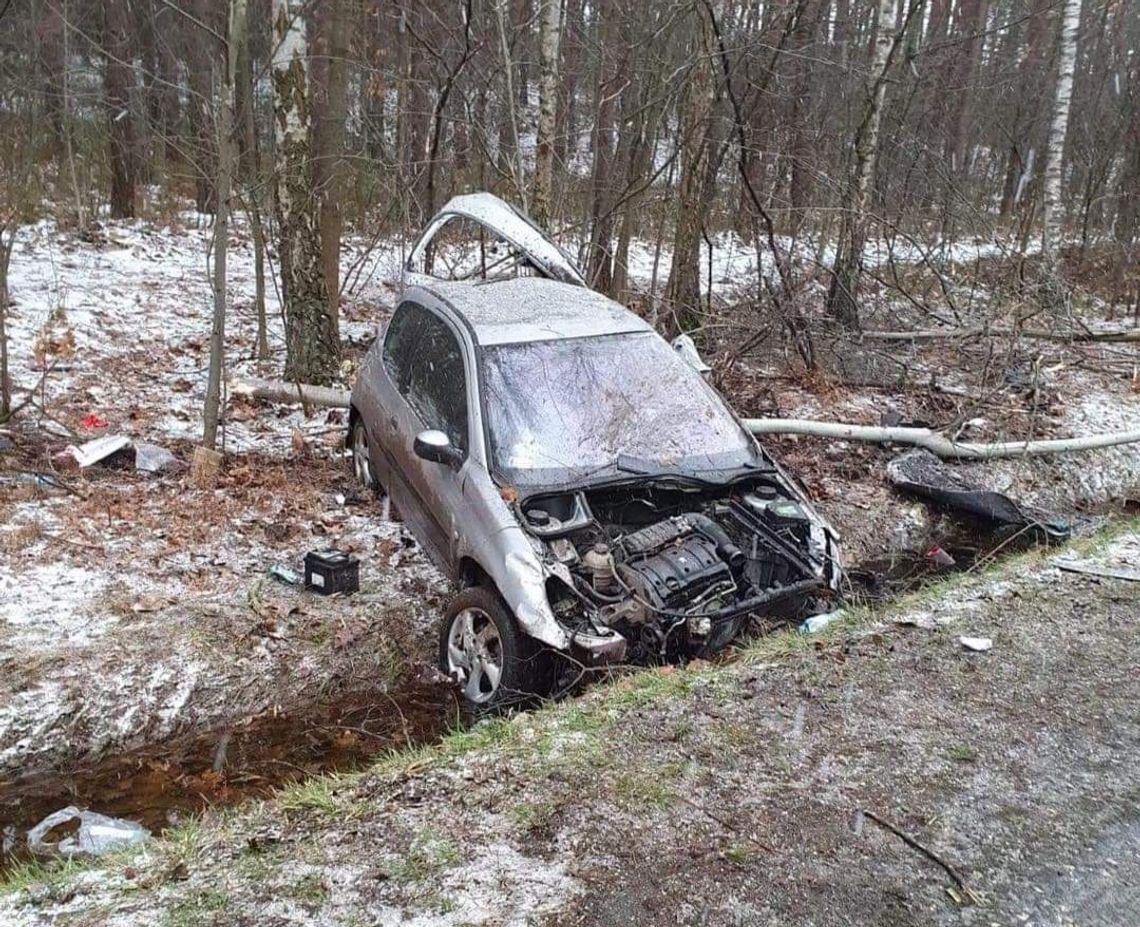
(533, 309)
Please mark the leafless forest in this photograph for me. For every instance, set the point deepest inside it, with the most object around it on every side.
(812, 129)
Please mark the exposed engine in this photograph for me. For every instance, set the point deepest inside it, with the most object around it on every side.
(678, 571)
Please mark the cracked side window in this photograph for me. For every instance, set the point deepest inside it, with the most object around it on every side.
(437, 387)
(400, 342)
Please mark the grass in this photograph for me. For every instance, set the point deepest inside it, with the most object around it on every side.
(202, 909)
(963, 753)
(428, 856)
(48, 876)
(319, 793)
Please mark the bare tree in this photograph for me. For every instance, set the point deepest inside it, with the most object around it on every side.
(226, 124)
(117, 81)
(549, 37)
(1053, 291)
(842, 296)
(311, 341)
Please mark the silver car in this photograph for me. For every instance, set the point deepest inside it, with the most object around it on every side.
(588, 492)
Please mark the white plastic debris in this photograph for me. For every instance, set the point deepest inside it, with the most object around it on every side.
(976, 644)
(819, 622)
(96, 834)
(153, 459)
(99, 449)
(687, 348)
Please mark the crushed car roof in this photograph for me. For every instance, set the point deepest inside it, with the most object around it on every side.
(533, 309)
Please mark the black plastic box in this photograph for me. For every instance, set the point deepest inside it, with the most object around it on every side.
(331, 571)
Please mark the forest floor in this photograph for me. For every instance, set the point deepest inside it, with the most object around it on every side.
(150, 665)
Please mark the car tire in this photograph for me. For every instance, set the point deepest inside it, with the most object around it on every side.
(495, 664)
(362, 467)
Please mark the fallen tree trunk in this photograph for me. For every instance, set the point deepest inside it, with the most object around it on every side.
(284, 391)
(934, 442)
(1042, 334)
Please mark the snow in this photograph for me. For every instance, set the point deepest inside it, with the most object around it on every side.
(52, 601)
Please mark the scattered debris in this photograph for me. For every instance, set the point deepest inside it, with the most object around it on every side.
(818, 622)
(284, 574)
(204, 467)
(976, 644)
(105, 450)
(687, 348)
(922, 474)
(93, 422)
(937, 556)
(84, 833)
(331, 571)
(1076, 566)
(150, 458)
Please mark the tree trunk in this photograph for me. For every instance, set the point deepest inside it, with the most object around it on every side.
(683, 290)
(250, 169)
(550, 33)
(607, 89)
(7, 240)
(116, 89)
(311, 340)
(330, 96)
(1058, 128)
(227, 162)
(842, 295)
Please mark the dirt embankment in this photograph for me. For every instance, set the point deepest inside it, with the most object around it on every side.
(724, 795)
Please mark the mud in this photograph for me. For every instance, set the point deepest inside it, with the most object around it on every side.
(163, 784)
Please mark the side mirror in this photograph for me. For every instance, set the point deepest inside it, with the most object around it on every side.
(436, 446)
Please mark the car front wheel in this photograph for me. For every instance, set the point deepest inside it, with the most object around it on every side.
(483, 649)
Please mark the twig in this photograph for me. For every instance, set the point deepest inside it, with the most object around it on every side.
(926, 851)
(727, 825)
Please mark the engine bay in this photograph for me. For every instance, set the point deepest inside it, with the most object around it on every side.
(677, 570)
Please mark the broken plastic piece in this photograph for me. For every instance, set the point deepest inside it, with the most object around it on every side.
(687, 348)
(818, 622)
(976, 644)
(93, 421)
(151, 458)
(283, 573)
(100, 449)
(95, 835)
(939, 557)
(920, 473)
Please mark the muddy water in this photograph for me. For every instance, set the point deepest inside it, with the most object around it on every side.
(159, 786)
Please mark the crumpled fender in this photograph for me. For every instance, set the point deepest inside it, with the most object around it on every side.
(507, 554)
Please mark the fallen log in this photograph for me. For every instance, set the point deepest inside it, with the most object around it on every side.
(934, 442)
(284, 391)
(1112, 336)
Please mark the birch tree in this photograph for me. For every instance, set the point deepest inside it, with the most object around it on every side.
(1053, 291)
(842, 295)
(549, 38)
(312, 343)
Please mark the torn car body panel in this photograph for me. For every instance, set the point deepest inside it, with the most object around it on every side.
(503, 222)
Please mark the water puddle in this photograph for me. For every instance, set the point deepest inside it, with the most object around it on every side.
(160, 786)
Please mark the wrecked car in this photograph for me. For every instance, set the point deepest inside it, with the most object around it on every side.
(588, 490)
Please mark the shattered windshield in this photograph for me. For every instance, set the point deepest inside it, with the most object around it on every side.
(563, 411)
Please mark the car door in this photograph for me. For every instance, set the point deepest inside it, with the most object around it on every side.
(437, 398)
(391, 428)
